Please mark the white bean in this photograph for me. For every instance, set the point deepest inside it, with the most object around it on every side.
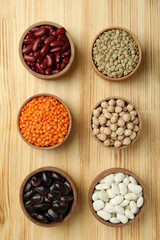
(134, 188)
(119, 177)
(119, 209)
(130, 196)
(104, 215)
(123, 188)
(98, 205)
(103, 196)
(95, 195)
(133, 207)
(126, 180)
(101, 186)
(109, 208)
(111, 194)
(114, 220)
(132, 180)
(117, 200)
(129, 214)
(109, 180)
(124, 203)
(115, 188)
(140, 202)
(122, 218)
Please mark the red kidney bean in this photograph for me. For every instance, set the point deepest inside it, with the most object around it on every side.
(47, 26)
(55, 71)
(43, 64)
(40, 32)
(56, 43)
(31, 53)
(39, 69)
(57, 66)
(36, 44)
(66, 60)
(50, 32)
(34, 68)
(28, 63)
(59, 31)
(44, 37)
(28, 40)
(29, 58)
(56, 49)
(23, 46)
(30, 34)
(58, 57)
(44, 50)
(49, 39)
(62, 65)
(37, 54)
(33, 64)
(40, 60)
(65, 54)
(49, 60)
(27, 49)
(48, 71)
(35, 29)
(63, 37)
(65, 47)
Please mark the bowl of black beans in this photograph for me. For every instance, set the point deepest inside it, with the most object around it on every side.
(48, 196)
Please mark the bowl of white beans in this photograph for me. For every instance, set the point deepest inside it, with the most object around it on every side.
(117, 197)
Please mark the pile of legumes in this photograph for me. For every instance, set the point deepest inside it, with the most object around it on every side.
(115, 123)
(44, 121)
(115, 53)
(46, 49)
(117, 198)
(48, 197)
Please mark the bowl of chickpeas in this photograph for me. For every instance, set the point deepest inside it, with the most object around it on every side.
(115, 122)
(44, 121)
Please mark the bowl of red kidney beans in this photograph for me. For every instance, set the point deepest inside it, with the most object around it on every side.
(46, 50)
(48, 196)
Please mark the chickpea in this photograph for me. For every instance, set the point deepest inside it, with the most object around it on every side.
(126, 141)
(96, 112)
(136, 129)
(95, 131)
(133, 136)
(107, 143)
(104, 104)
(96, 121)
(126, 117)
(133, 112)
(113, 127)
(120, 103)
(111, 142)
(133, 117)
(102, 120)
(108, 123)
(136, 121)
(102, 137)
(120, 138)
(112, 102)
(121, 122)
(122, 114)
(107, 131)
(125, 109)
(120, 131)
(117, 143)
(108, 115)
(102, 129)
(111, 109)
(115, 115)
(130, 125)
(130, 107)
(114, 119)
(128, 132)
(113, 135)
(118, 109)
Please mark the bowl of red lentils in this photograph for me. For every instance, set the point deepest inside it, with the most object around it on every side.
(44, 121)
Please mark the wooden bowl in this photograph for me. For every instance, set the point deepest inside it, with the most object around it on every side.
(97, 180)
(121, 78)
(139, 117)
(69, 114)
(38, 75)
(54, 169)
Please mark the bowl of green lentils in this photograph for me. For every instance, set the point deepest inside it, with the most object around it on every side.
(115, 54)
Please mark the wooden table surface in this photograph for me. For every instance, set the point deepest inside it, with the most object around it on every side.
(81, 156)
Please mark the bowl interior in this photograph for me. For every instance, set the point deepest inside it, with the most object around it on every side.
(96, 181)
(139, 50)
(69, 114)
(126, 100)
(38, 75)
(54, 169)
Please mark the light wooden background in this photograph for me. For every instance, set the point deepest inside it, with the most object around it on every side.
(81, 156)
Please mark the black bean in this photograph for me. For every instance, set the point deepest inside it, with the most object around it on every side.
(67, 198)
(64, 189)
(27, 187)
(36, 180)
(46, 199)
(68, 185)
(28, 195)
(46, 178)
(55, 216)
(57, 177)
(29, 206)
(55, 195)
(37, 199)
(42, 189)
(39, 218)
(43, 207)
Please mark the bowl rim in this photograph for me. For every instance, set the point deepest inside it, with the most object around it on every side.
(69, 114)
(69, 179)
(38, 75)
(139, 117)
(102, 175)
(139, 49)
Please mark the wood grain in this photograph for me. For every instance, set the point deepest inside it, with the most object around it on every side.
(81, 156)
